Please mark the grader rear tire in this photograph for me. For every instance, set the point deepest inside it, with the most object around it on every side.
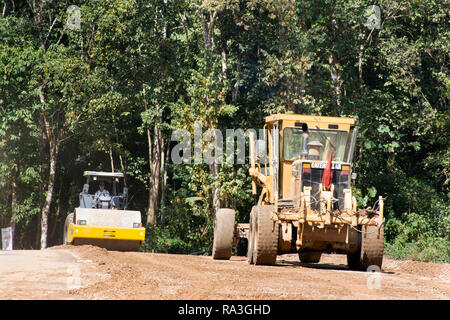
(371, 250)
(266, 237)
(309, 257)
(372, 247)
(251, 235)
(69, 220)
(223, 234)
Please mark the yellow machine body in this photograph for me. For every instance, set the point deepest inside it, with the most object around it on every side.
(308, 216)
(104, 232)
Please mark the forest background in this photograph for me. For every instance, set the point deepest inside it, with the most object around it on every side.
(102, 84)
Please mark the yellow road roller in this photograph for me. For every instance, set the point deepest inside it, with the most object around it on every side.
(102, 219)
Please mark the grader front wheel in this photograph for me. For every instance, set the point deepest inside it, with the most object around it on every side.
(370, 253)
(265, 246)
(223, 234)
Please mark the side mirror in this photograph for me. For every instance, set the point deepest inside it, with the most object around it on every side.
(260, 148)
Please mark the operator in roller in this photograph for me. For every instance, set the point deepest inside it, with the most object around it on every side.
(101, 192)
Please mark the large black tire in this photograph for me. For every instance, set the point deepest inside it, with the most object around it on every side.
(372, 247)
(69, 220)
(251, 235)
(370, 252)
(309, 257)
(223, 234)
(265, 245)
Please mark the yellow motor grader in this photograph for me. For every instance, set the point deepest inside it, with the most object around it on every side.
(304, 168)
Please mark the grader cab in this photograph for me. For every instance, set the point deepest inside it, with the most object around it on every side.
(304, 169)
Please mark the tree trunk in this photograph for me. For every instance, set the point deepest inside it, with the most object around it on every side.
(164, 158)
(214, 171)
(122, 166)
(42, 174)
(44, 127)
(54, 150)
(150, 210)
(336, 75)
(235, 93)
(208, 42)
(360, 67)
(208, 31)
(154, 154)
(13, 204)
(48, 138)
(336, 83)
(224, 66)
(111, 158)
(53, 142)
(58, 211)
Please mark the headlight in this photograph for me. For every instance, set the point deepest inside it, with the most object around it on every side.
(345, 170)
(307, 168)
(137, 225)
(81, 222)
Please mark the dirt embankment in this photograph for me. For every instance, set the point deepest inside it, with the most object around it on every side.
(88, 272)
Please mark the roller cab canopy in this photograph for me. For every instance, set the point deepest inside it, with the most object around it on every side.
(104, 176)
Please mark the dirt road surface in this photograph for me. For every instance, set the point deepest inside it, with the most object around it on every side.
(88, 272)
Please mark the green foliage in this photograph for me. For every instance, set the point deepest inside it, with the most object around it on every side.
(429, 249)
(187, 230)
(424, 236)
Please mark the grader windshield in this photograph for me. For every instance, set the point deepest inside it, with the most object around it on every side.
(336, 139)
